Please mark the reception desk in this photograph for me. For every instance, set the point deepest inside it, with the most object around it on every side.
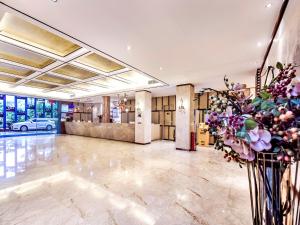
(112, 131)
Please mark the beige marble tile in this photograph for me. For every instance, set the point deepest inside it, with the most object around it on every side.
(80, 180)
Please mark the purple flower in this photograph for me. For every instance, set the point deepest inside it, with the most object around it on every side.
(296, 89)
(238, 86)
(260, 139)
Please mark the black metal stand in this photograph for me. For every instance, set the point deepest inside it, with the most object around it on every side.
(273, 193)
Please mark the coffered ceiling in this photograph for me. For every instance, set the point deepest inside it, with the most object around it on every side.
(84, 48)
(36, 61)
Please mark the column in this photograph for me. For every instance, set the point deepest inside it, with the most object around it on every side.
(106, 109)
(143, 117)
(184, 116)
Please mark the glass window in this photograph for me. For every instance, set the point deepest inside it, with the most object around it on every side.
(1, 107)
(21, 105)
(30, 113)
(10, 103)
(40, 108)
(10, 119)
(1, 123)
(21, 118)
(55, 110)
(30, 103)
(1, 113)
(48, 113)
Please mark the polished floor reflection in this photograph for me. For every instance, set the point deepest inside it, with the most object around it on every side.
(76, 180)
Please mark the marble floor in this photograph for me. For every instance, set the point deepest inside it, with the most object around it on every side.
(70, 180)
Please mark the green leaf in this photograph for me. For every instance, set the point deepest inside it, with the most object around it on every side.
(265, 95)
(248, 138)
(276, 149)
(279, 66)
(256, 101)
(250, 124)
(267, 105)
(276, 137)
(275, 112)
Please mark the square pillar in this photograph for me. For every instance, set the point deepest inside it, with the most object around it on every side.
(106, 109)
(143, 117)
(184, 116)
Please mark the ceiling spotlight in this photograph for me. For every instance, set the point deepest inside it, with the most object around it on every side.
(268, 5)
(128, 47)
(160, 68)
(259, 44)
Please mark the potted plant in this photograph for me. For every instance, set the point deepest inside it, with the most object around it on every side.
(263, 134)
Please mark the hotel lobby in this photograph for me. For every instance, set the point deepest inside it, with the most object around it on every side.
(149, 112)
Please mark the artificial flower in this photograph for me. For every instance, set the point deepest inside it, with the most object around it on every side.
(260, 139)
(295, 91)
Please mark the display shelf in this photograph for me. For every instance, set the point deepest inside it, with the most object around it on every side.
(164, 113)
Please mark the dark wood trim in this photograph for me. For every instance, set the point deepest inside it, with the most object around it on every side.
(275, 30)
(188, 150)
(144, 90)
(187, 84)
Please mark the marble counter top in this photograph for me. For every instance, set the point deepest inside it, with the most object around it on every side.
(112, 131)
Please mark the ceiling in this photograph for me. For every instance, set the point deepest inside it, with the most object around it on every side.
(146, 43)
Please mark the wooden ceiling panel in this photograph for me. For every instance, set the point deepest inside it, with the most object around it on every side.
(36, 84)
(15, 70)
(54, 79)
(99, 62)
(9, 79)
(23, 31)
(23, 56)
(75, 72)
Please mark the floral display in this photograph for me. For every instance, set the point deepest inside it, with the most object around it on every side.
(244, 125)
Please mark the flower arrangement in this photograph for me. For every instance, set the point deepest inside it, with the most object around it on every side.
(268, 123)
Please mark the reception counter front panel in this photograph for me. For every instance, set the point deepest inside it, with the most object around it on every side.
(112, 131)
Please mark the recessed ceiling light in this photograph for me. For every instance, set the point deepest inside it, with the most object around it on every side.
(259, 44)
(160, 68)
(268, 5)
(128, 47)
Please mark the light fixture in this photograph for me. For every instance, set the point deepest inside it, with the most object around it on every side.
(128, 47)
(54, 0)
(126, 110)
(160, 68)
(269, 5)
(259, 44)
(121, 103)
(181, 106)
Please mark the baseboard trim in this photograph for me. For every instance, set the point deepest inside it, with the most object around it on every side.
(142, 143)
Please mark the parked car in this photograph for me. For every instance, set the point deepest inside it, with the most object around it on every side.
(34, 124)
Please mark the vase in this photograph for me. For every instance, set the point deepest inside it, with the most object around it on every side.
(274, 194)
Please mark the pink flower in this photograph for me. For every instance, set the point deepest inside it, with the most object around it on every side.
(240, 147)
(260, 139)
